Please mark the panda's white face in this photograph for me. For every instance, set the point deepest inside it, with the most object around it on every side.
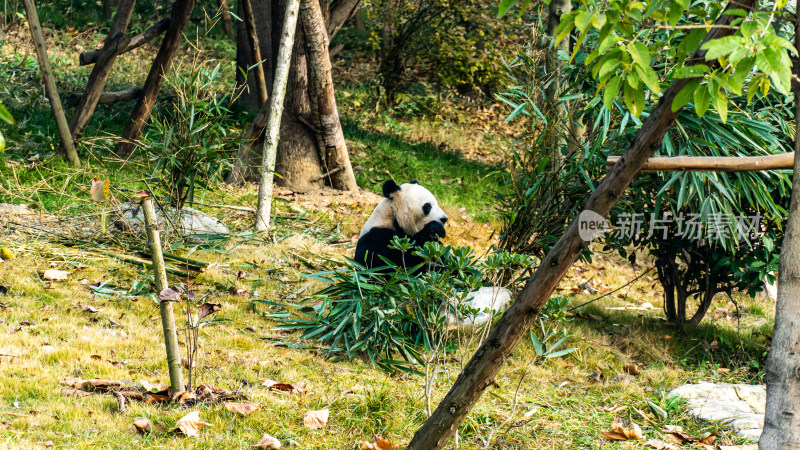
(414, 207)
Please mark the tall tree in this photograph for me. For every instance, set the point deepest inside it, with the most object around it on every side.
(782, 415)
(490, 357)
(299, 159)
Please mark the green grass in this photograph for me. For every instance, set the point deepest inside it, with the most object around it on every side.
(453, 179)
(569, 407)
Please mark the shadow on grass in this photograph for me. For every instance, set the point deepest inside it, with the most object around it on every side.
(709, 346)
(453, 179)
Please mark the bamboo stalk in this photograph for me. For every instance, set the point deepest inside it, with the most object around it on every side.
(714, 163)
(139, 261)
(167, 316)
(50, 83)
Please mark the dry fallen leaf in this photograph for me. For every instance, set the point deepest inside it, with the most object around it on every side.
(723, 371)
(660, 445)
(171, 294)
(100, 189)
(244, 409)
(739, 447)
(267, 441)
(191, 424)
(208, 308)
(619, 432)
(379, 444)
(142, 425)
(153, 387)
(293, 388)
(55, 275)
(316, 419)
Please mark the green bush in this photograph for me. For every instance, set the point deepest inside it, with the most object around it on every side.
(392, 315)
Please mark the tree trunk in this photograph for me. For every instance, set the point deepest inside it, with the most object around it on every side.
(109, 6)
(298, 153)
(179, 18)
(323, 102)
(557, 110)
(298, 160)
(782, 415)
(116, 41)
(255, 47)
(263, 12)
(479, 373)
(227, 22)
(271, 139)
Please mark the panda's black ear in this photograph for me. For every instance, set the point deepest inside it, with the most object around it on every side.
(413, 182)
(389, 188)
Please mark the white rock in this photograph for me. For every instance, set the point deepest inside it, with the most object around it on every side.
(191, 220)
(740, 405)
(487, 300)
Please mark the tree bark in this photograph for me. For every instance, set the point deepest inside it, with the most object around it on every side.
(115, 42)
(179, 18)
(270, 147)
(782, 415)
(252, 41)
(227, 22)
(479, 373)
(323, 102)
(50, 82)
(298, 160)
(137, 41)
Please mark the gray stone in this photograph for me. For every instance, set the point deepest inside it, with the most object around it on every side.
(191, 221)
(739, 405)
(486, 300)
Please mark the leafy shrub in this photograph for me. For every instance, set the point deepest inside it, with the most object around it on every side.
(390, 312)
(458, 45)
(542, 199)
(186, 142)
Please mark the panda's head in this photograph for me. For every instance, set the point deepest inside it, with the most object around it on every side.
(415, 208)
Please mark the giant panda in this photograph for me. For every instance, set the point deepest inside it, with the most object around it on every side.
(408, 210)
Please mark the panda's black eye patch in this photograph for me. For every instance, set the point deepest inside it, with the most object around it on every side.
(426, 208)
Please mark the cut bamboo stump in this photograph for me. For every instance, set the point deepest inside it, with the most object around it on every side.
(714, 163)
(50, 83)
(167, 315)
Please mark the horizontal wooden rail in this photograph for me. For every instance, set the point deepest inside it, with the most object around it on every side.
(714, 163)
(108, 97)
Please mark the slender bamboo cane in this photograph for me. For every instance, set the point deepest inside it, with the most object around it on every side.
(167, 316)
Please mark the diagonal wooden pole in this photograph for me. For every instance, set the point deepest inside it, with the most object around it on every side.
(50, 83)
(116, 41)
(490, 357)
(179, 18)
